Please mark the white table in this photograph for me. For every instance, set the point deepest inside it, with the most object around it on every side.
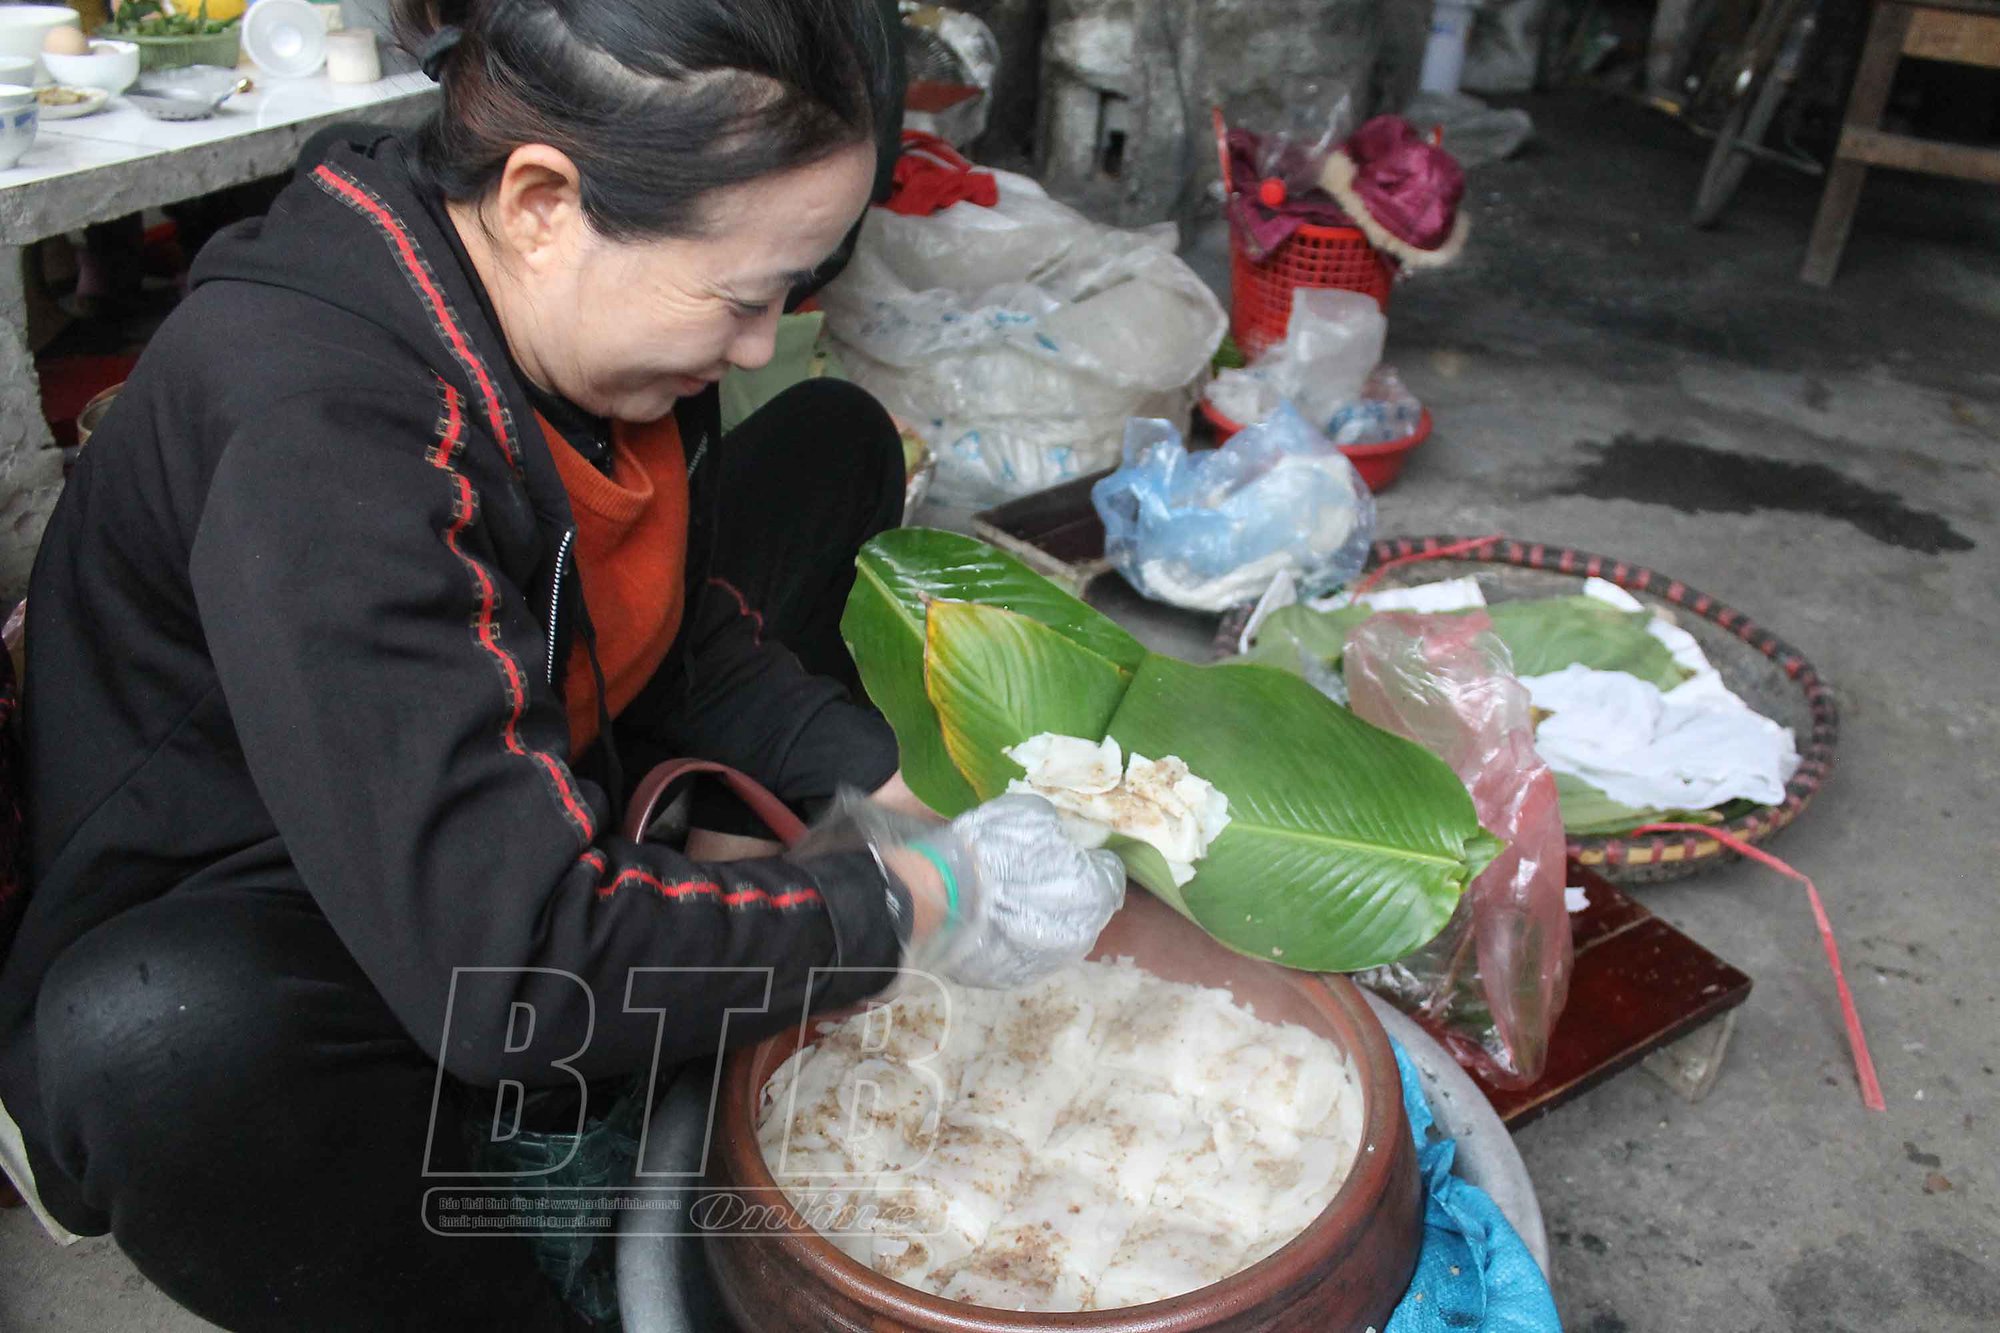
(96, 168)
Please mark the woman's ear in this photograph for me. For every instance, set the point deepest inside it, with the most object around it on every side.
(538, 207)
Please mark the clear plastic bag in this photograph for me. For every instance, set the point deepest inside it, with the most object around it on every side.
(1493, 983)
(1273, 174)
(1321, 367)
(580, 1262)
(1020, 338)
(1209, 531)
(1314, 120)
(1386, 410)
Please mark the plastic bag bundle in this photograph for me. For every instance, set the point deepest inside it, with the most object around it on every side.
(1493, 983)
(1322, 367)
(1273, 177)
(1020, 338)
(1209, 531)
(1386, 410)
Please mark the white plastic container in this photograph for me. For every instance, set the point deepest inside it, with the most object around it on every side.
(351, 56)
(1444, 53)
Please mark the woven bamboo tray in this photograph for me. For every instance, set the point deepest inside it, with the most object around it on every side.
(1772, 676)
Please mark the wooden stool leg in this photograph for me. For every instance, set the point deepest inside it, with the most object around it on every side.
(1832, 223)
(1865, 105)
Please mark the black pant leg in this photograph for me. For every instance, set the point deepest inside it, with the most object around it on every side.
(807, 480)
(218, 1079)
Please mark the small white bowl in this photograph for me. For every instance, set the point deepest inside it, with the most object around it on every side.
(20, 114)
(110, 65)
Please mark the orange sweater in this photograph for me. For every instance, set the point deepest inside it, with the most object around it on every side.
(631, 553)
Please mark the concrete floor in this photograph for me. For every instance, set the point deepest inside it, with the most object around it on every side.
(1587, 312)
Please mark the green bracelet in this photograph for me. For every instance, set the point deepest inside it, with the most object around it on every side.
(944, 873)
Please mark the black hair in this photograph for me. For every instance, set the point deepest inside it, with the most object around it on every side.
(657, 102)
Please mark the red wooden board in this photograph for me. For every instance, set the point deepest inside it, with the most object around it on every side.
(1637, 985)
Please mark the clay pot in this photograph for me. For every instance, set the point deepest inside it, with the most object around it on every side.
(1347, 1271)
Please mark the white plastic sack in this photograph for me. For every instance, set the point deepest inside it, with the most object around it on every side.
(1320, 367)
(1020, 338)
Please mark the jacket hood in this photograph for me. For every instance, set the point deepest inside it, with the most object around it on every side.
(335, 234)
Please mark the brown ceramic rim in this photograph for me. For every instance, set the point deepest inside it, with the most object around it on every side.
(1657, 855)
(1265, 1286)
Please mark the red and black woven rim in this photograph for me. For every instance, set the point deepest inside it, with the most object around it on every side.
(1815, 756)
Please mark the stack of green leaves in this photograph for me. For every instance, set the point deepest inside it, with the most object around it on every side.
(1347, 847)
(1542, 635)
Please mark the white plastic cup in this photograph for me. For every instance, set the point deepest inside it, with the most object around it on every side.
(1444, 52)
(352, 57)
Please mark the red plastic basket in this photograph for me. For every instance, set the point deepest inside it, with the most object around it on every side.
(1260, 294)
(1378, 464)
(1260, 291)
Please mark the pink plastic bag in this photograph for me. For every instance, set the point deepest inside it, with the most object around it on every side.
(1493, 983)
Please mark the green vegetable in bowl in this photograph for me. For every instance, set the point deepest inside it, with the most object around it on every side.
(148, 18)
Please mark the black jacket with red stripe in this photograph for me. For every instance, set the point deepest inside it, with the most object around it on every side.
(299, 622)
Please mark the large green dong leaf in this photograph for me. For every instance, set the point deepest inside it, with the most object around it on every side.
(1542, 635)
(898, 576)
(1588, 812)
(1295, 633)
(1347, 847)
(1546, 634)
(997, 678)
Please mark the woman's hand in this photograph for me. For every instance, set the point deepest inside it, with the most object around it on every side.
(999, 896)
(928, 899)
(1022, 900)
(929, 903)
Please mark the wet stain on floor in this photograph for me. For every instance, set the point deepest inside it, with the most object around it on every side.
(1694, 478)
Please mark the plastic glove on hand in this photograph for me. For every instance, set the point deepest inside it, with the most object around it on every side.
(1028, 900)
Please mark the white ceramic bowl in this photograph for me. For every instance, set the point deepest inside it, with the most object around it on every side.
(23, 28)
(111, 65)
(205, 80)
(285, 38)
(19, 115)
(18, 70)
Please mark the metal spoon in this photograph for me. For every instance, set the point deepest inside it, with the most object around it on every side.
(182, 103)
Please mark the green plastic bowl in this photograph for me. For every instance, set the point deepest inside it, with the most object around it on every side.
(178, 52)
